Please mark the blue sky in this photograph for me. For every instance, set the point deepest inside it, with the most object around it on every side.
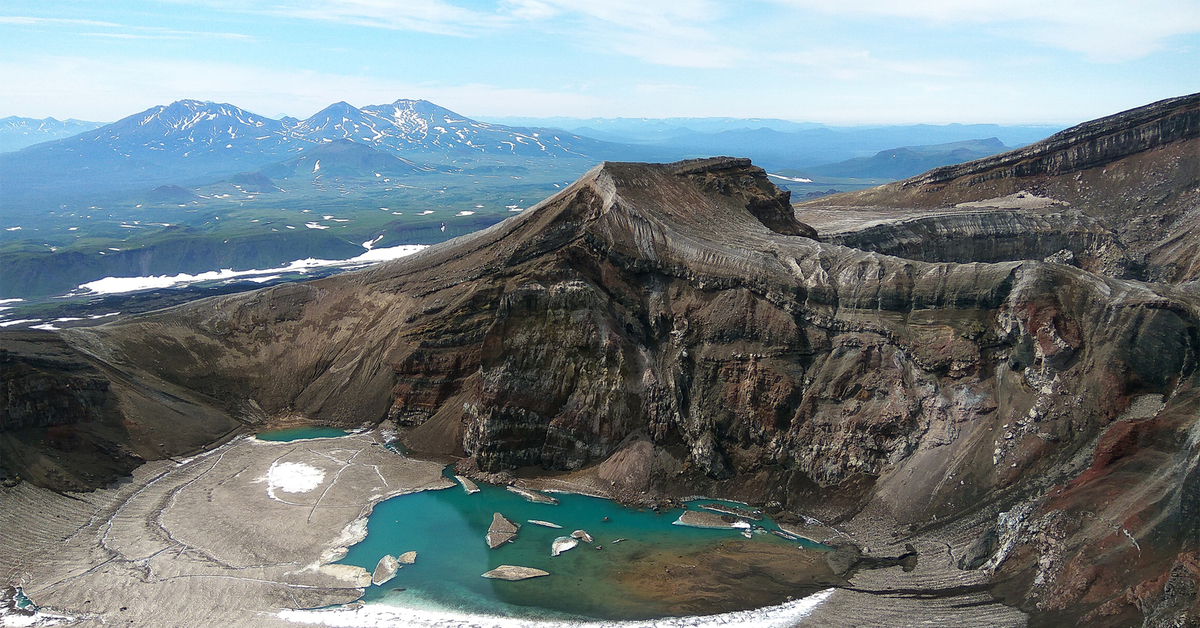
(829, 61)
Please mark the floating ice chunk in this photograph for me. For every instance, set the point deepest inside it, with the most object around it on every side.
(470, 487)
(562, 544)
(385, 570)
(514, 573)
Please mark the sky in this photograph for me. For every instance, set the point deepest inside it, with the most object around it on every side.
(837, 62)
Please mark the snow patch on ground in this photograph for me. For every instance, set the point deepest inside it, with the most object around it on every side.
(793, 179)
(20, 321)
(117, 285)
(465, 213)
(372, 615)
(294, 477)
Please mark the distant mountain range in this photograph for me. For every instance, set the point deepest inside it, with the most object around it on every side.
(194, 186)
(17, 133)
(907, 161)
(190, 141)
(779, 143)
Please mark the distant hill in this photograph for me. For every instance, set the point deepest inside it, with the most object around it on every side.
(17, 133)
(777, 144)
(170, 194)
(907, 161)
(343, 158)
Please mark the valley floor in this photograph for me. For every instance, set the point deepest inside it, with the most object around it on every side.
(256, 525)
(225, 539)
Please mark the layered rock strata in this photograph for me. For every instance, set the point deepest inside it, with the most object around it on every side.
(1136, 173)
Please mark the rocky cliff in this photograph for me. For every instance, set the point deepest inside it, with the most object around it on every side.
(673, 330)
(1136, 173)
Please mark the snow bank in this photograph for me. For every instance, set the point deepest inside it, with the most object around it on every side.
(372, 615)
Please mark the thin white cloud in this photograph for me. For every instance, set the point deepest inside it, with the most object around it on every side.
(856, 64)
(429, 16)
(126, 31)
(1103, 30)
(30, 20)
(529, 10)
(118, 87)
(684, 33)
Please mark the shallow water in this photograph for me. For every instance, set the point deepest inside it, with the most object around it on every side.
(447, 527)
(300, 433)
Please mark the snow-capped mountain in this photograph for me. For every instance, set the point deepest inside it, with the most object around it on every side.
(190, 141)
(17, 133)
(407, 126)
(185, 142)
(191, 127)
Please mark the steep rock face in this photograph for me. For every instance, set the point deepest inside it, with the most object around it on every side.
(47, 384)
(990, 236)
(659, 311)
(1137, 173)
(71, 422)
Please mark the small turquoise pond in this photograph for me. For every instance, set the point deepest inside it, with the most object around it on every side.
(447, 528)
(300, 433)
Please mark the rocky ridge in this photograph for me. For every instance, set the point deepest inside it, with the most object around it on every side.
(1136, 174)
(1029, 426)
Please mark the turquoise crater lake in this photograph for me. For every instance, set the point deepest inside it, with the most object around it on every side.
(300, 433)
(447, 527)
